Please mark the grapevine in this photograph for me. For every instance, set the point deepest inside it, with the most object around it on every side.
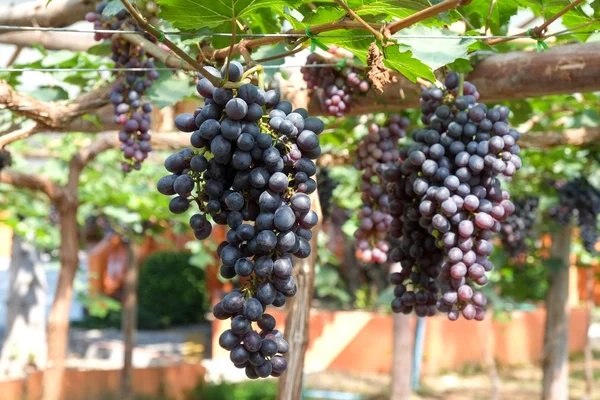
(338, 86)
(251, 161)
(126, 95)
(447, 201)
(375, 150)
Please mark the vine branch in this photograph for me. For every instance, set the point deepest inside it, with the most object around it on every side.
(426, 13)
(354, 15)
(18, 134)
(160, 36)
(538, 31)
(31, 182)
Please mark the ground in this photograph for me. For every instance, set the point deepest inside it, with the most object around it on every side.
(518, 383)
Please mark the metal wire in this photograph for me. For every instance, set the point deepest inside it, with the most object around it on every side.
(146, 69)
(9, 28)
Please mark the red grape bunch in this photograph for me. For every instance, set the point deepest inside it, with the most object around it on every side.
(250, 168)
(338, 86)
(376, 149)
(447, 184)
(126, 95)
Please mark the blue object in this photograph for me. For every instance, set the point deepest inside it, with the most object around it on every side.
(418, 354)
(327, 395)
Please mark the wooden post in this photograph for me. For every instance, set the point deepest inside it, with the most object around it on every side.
(555, 362)
(402, 357)
(589, 356)
(58, 320)
(298, 316)
(129, 321)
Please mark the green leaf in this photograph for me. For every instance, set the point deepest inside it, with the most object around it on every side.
(434, 53)
(113, 8)
(101, 49)
(195, 14)
(50, 93)
(168, 89)
(408, 66)
(386, 8)
(61, 58)
(576, 18)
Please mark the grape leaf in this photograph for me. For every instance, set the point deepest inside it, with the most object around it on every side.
(113, 8)
(194, 14)
(398, 60)
(168, 89)
(576, 18)
(499, 16)
(387, 8)
(435, 53)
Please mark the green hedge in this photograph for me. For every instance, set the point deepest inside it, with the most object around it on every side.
(252, 390)
(171, 292)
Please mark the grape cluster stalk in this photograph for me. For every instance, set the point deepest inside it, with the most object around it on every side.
(126, 95)
(580, 199)
(518, 226)
(446, 201)
(338, 86)
(375, 150)
(250, 168)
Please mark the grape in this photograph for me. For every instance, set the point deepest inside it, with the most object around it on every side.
(340, 86)
(447, 202)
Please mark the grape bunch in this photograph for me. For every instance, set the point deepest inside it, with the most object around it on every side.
(376, 149)
(518, 226)
(250, 168)
(126, 95)
(340, 85)
(5, 159)
(447, 201)
(580, 199)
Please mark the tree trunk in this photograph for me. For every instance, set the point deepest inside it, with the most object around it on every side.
(298, 315)
(555, 353)
(129, 323)
(58, 321)
(589, 356)
(402, 357)
(25, 339)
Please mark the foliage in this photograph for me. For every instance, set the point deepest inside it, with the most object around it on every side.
(251, 390)
(171, 291)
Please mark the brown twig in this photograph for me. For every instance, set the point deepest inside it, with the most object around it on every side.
(538, 31)
(169, 59)
(487, 18)
(160, 36)
(31, 182)
(14, 56)
(233, 32)
(18, 135)
(426, 13)
(354, 15)
(246, 55)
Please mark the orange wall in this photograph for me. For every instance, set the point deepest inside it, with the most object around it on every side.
(5, 240)
(174, 382)
(448, 345)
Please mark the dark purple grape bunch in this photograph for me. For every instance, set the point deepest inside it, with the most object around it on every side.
(5, 159)
(375, 150)
(131, 112)
(326, 186)
(338, 86)
(251, 168)
(580, 199)
(518, 226)
(449, 184)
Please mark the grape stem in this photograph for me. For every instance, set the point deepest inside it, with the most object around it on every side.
(233, 32)
(159, 35)
(461, 84)
(354, 15)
